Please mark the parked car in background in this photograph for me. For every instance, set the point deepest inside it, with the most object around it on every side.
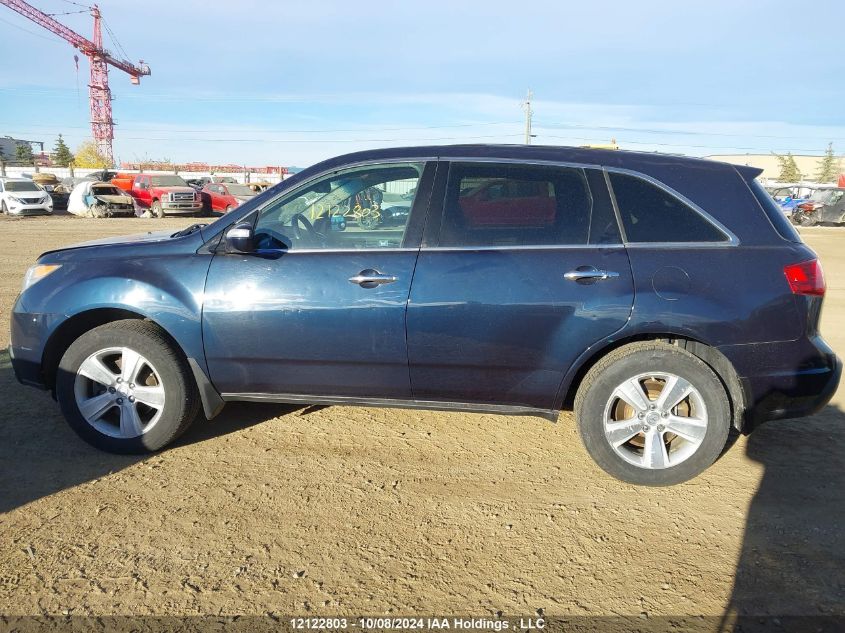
(22, 196)
(788, 198)
(202, 181)
(160, 195)
(61, 192)
(95, 199)
(824, 205)
(225, 196)
(604, 281)
(259, 186)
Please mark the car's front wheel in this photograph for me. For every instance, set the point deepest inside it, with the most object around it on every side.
(124, 389)
(156, 210)
(653, 414)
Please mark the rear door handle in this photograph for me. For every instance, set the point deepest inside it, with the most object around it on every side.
(583, 273)
(370, 278)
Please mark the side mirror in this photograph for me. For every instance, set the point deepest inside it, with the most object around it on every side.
(239, 239)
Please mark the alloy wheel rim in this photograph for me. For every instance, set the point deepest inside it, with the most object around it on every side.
(119, 392)
(655, 420)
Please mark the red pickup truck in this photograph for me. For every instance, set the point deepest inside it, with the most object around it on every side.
(165, 194)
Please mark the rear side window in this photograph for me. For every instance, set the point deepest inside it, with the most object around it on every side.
(776, 216)
(515, 205)
(652, 214)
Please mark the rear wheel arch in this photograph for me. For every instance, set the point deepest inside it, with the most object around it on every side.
(717, 361)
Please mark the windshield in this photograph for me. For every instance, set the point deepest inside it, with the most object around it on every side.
(107, 190)
(168, 181)
(21, 185)
(240, 190)
(825, 195)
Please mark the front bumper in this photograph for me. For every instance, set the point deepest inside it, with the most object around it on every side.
(45, 208)
(29, 332)
(177, 208)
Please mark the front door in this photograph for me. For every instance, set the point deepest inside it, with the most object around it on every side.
(522, 270)
(320, 310)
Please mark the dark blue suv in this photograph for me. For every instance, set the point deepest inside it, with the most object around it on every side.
(665, 299)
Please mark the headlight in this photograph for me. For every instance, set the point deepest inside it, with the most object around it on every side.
(37, 273)
(16, 199)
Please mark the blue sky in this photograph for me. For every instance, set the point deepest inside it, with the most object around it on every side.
(290, 83)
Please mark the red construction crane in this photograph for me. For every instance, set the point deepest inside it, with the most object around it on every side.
(102, 124)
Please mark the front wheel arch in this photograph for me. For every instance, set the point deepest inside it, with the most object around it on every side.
(78, 324)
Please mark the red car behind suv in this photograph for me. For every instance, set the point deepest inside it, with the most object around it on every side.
(224, 196)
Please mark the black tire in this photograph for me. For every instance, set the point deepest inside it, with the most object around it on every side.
(596, 392)
(181, 402)
(807, 220)
(156, 210)
(3, 208)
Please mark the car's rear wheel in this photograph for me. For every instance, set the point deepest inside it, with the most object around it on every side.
(156, 209)
(124, 389)
(228, 208)
(653, 414)
(807, 219)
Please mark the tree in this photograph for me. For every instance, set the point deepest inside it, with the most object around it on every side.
(61, 153)
(829, 166)
(88, 156)
(23, 153)
(789, 171)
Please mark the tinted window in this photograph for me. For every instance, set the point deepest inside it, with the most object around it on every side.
(365, 207)
(515, 205)
(651, 214)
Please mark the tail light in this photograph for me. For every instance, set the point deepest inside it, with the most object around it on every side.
(806, 278)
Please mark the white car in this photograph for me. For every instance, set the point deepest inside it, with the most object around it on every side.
(20, 196)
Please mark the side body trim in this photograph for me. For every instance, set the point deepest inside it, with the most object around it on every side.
(289, 398)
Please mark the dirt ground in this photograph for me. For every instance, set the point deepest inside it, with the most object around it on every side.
(284, 510)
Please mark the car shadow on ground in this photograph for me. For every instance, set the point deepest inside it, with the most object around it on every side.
(40, 454)
(792, 561)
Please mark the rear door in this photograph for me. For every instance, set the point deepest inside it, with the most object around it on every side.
(522, 269)
(319, 311)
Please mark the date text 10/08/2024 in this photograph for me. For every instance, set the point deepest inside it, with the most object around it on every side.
(416, 624)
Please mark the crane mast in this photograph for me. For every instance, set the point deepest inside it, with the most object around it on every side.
(102, 123)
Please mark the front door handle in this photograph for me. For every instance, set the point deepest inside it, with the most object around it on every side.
(371, 278)
(589, 273)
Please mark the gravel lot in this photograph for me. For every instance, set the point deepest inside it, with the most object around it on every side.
(284, 510)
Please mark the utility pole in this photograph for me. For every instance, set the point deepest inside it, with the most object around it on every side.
(526, 105)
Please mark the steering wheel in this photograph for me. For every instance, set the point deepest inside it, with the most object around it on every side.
(300, 220)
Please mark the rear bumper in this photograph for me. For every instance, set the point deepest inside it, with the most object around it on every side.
(785, 380)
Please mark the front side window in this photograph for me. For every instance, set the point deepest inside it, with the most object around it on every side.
(652, 214)
(515, 205)
(364, 207)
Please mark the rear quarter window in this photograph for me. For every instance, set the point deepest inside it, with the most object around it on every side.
(773, 211)
(651, 214)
